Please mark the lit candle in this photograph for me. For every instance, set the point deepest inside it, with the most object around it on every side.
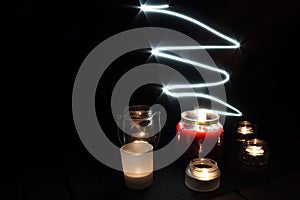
(197, 126)
(137, 163)
(203, 175)
(245, 130)
(255, 150)
(201, 115)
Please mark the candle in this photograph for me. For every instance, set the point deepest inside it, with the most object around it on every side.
(195, 128)
(255, 152)
(139, 122)
(245, 130)
(137, 163)
(202, 174)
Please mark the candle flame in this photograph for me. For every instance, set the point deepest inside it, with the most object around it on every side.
(201, 115)
(255, 150)
(205, 173)
(142, 134)
(245, 130)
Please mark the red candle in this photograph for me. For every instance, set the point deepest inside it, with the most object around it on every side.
(201, 134)
(196, 133)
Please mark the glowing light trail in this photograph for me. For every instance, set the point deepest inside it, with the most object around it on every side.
(158, 52)
(160, 9)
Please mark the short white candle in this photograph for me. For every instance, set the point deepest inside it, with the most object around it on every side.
(137, 163)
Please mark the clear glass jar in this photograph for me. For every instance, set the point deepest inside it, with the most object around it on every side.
(245, 130)
(255, 152)
(202, 174)
(204, 134)
(139, 123)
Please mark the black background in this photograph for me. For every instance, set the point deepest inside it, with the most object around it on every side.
(53, 39)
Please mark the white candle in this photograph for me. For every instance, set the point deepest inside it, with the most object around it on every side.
(137, 163)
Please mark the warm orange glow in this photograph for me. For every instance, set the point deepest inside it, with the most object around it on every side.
(255, 150)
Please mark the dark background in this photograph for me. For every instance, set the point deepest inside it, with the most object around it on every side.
(53, 39)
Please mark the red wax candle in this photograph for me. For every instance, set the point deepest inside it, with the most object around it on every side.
(199, 134)
(204, 137)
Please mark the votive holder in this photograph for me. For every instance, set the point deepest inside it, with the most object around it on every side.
(202, 130)
(137, 163)
(202, 174)
(245, 130)
(255, 152)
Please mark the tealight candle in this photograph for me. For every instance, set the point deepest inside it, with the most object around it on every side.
(137, 163)
(255, 152)
(245, 130)
(202, 175)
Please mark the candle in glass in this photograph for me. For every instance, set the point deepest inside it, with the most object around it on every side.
(197, 127)
(137, 163)
(202, 174)
(139, 122)
(255, 152)
(245, 130)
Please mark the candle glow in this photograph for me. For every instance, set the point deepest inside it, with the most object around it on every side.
(245, 130)
(201, 115)
(255, 150)
(137, 163)
(202, 174)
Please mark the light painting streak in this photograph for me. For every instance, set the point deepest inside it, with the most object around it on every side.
(169, 90)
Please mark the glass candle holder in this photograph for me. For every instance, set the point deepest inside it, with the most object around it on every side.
(139, 123)
(255, 152)
(137, 163)
(202, 174)
(245, 130)
(203, 131)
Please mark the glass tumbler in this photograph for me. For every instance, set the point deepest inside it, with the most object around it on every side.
(139, 123)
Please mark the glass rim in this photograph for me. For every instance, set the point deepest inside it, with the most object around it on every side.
(137, 112)
(203, 161)
(201, 173)
(256, 142)
(189, 117)
(124, 151)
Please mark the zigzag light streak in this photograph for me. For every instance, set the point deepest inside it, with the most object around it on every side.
(158, 52)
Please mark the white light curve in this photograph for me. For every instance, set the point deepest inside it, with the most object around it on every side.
(169, 90)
